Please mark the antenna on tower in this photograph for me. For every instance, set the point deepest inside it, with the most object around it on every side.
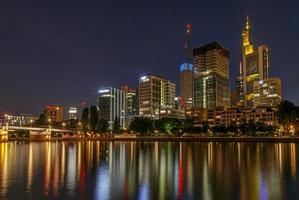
(187, 45)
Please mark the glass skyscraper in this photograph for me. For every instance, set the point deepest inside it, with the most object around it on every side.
(211, 76)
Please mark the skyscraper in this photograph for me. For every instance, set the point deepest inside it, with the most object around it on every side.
(211, 76)
(156, 95)
(186, 71)
(267, 92)
(54, 113)
(72, 113)
(131, 104)
(239, 87)
(255, 65)
(112, 105)
(131, 100)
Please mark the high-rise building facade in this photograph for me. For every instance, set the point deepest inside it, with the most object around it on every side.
(155, 95)
(131, 100)
(211, 76)
(72, 113)
(255, 65)
(267, 92)
(131, 107)
(54, 113)
(112, 105)
(239, 88)
(186, 71)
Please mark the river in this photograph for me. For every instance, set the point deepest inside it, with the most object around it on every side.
(148, 170)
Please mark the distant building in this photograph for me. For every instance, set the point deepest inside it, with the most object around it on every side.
(200, 115)
(131, 100)
(54, 113)
(19, 120)
(211, 76)
(112, 105)
(155, 94)
(226, 117)
(255, 65)
(267, 92)
(131, 107)
(239, 88)
(234, 98)
(73, 113)
(186, 72)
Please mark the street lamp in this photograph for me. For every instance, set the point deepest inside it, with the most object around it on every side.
(80, 125)
(63, 124)
(30, 122)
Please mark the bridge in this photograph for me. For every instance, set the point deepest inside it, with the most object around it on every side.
(35, 133)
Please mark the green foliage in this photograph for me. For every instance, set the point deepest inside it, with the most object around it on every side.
(41, 121)
(93, 118)
(116, 125)
(142, 125)
(19, 134)
(85, 119)
(287, 114)
(73, 123)
(103, 125)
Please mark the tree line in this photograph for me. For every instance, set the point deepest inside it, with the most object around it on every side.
(91, 123)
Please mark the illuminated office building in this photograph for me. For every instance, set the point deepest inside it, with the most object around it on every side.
(131, 100)
(255, 65)
(211, 76)
(54, 113)
(156, 95)
(267, 92)
(112, 105)
(186, 72)
(18, 120)
(72, 113)
(131, 107)
(239, 88)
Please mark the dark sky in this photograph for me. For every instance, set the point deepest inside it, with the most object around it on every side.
(61, 52)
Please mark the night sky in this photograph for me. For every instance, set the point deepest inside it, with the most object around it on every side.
(61, 52)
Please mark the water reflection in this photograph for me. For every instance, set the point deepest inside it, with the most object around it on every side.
(148, 170)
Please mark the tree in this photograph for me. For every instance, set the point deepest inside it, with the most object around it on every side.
(142, 125)
(85, 119)
(287, 115)
(252, 129)
(93, 118)
(116, 125)
(73, 123)
(205, 127)
(103, 125)
(42, 120)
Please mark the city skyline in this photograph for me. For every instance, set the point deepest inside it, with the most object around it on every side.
(80, 66)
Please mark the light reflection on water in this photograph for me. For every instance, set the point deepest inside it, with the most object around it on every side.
(148, 170)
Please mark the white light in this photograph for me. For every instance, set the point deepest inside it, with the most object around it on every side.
(104, 91)
(261, 82)
(143, 78)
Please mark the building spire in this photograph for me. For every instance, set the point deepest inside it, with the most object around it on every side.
(247, 46)
(247, 23)
(187, 45)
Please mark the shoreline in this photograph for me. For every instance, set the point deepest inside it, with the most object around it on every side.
(174, 139)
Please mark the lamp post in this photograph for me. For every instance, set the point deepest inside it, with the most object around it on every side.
(63, 125)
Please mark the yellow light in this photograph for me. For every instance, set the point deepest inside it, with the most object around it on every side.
(252, 77)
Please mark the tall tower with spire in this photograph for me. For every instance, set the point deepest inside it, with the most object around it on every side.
(247, 46)
(255, 65)
(187, 45)
(186, 71)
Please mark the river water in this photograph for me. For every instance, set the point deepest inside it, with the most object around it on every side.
(148, 170)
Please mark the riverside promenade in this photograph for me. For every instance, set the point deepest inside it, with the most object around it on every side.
(176, 139)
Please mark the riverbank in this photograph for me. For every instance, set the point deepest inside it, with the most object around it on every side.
(177, 139)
